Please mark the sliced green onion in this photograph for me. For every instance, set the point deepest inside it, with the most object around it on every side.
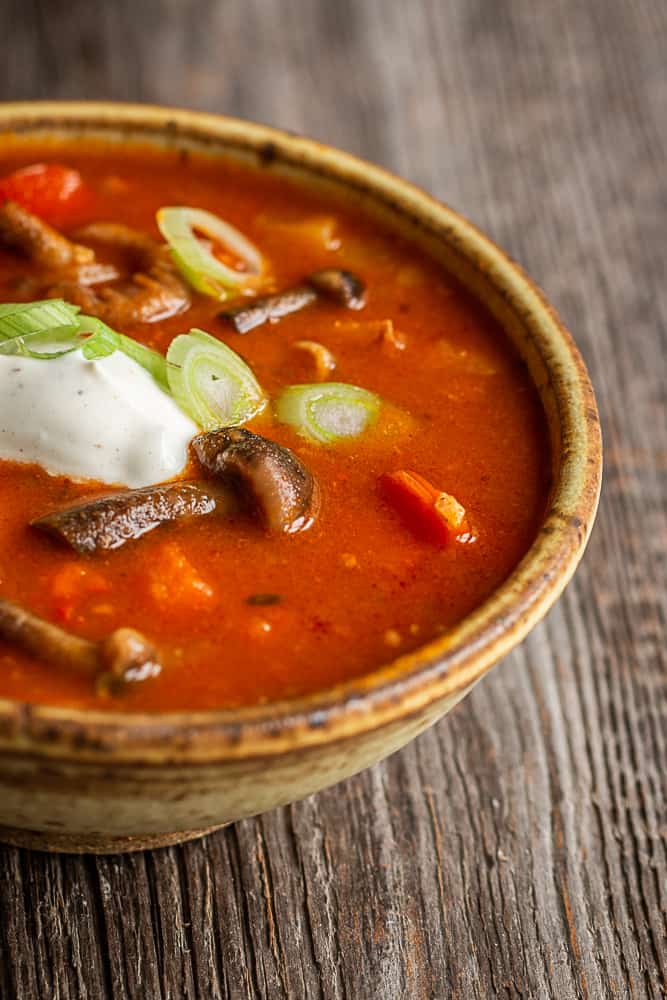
(104, 341)
(42, 344)
(326, 412)
(153, 362)
(211, 382)
(53, 327)
(96, 339)
(196, 261)
(53, 343)
(20, 318)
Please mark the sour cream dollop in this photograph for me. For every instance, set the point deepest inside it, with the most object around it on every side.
(106, 419)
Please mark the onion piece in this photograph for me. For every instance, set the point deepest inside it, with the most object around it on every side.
(211, 382)
(329, 411)
(196, 262)
(51, 328)
(104, 341)
(44, 329)
(20, 318)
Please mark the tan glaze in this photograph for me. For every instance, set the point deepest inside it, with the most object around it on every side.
(92, 781)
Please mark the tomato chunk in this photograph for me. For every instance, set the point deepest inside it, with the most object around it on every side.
(430, 513)
(50, 190)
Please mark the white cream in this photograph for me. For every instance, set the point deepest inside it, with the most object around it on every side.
(104, 419)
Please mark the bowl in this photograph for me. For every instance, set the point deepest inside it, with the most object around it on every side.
(74, 780)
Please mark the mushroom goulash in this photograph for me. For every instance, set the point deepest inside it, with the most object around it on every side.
(252, 442)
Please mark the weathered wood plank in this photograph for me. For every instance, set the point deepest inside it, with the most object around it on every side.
(520, 847)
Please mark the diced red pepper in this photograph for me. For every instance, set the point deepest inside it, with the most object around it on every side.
(50, 190)
(429, 512)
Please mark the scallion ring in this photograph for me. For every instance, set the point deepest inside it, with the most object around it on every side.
(328, 412)
(197, 262)
(44, 345)
(17, 319)
(104, 341)
(211, 382)
(50, 328)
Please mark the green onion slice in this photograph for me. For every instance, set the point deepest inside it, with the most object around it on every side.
(17, 319)
(51, 328)
(96, 339)
(211, 382)
(197, 262)
(327, 412)
(154, 362)
(104, 341)
(42, 344)
(45, 329)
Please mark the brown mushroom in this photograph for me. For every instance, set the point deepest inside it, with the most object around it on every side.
(343, 287)
(151, 290)
(154, 291)
(124, 655)
(108, 522)
(269, 478)
(22, 231)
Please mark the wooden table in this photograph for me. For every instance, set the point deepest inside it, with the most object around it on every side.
(519, 847)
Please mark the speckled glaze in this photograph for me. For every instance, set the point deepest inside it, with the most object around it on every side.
(99, 782)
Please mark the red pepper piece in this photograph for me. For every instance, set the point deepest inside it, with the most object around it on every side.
(51, 191)
(429, 512)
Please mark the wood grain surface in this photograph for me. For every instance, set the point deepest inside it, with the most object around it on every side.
(518, 849)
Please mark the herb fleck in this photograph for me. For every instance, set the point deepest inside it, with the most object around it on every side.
(263, 600)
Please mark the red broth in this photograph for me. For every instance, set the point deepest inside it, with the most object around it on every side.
(359, 587)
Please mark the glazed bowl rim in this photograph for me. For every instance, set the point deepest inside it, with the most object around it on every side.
(442, 668)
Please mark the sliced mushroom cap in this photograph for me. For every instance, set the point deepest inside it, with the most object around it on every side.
(269, 477)
(126, 655)
(108, 522)
(342, 286)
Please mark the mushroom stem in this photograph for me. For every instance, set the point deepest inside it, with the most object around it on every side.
(123, 655)
(343, 287)
(21, 230)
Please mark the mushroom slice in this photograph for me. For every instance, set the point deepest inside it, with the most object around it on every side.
(268, 308)
(269, 478)
(108, 522)
(343, 287)
(155, 290)
(150, 287)
(123, 655)
(21, 230)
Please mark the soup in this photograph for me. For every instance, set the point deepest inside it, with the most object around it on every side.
(324, 455)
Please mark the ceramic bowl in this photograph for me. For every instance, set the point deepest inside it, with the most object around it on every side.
(93, 781)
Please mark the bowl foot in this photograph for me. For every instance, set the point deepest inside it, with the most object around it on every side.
(96, 843)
